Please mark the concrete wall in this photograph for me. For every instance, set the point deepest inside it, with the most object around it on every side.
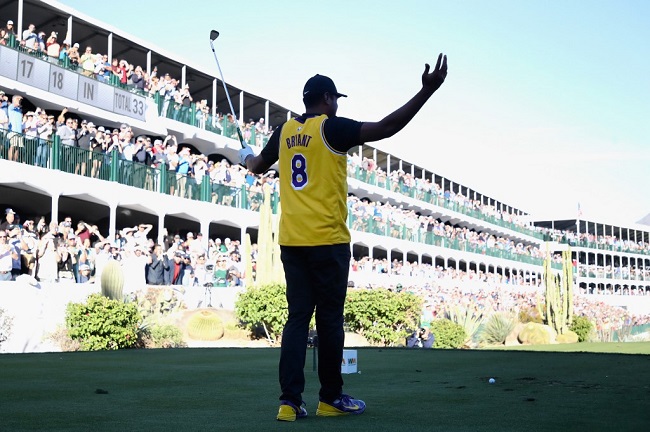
(38, 310)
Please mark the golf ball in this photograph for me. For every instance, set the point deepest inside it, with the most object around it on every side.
(491, 380)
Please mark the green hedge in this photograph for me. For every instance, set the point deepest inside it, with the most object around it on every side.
(381, 316)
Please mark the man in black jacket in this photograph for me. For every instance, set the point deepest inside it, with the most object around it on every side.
(158, 267)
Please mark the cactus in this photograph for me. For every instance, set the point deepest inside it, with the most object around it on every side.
(246, 255)
(269, 265)
(559, 293)
(112, 281)
(205, 325)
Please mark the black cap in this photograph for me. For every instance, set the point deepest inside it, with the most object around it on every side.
(321, 84)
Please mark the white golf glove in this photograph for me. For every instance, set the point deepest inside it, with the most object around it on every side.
(244, 154)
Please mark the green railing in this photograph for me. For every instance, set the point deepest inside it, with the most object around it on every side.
(193, 116)
(55, 155)
(52, 154)
(602, 274)
(432, 198)
(415, 235)
(166, 107)
(604, 247)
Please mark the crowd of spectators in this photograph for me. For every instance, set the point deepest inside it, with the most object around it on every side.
(419, 188)
(40, 126)
(373, 272)
(628, 272)
(52, 252)
(177, 101)
(484, 299)
(77, 252)
(399, 222)
(408, 184)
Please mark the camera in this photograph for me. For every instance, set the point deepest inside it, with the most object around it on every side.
(422, 332)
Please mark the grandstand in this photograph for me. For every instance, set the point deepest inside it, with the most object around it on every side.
(409, 225)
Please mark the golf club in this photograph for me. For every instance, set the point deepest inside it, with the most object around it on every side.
(213, 35)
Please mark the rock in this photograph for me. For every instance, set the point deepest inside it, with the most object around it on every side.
(534, 334)
(567, 337)
(552, 334)
(512, 338)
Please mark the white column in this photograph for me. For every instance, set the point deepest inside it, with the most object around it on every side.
(19, 20)
(161, 228)
(149, 62)
(183, 75)
(110, 48)
(112, 220)
(68, 34)
(215, 85)
(267, 106)
(55, 207)
(205, 230)
(241, 109)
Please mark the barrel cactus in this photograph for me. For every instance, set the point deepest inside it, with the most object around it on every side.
(205, 325)
(112, 281)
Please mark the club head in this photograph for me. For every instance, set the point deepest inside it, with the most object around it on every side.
(213, 35)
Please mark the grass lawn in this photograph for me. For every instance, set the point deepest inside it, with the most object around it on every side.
(230, 389)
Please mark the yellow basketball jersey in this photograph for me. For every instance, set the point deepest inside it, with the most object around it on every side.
(313, 186)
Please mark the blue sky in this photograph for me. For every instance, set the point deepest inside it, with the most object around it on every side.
(546, 105)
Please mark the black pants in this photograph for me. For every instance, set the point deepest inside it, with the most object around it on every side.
(317, 278)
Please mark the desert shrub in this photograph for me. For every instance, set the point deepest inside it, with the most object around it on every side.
(583, 327)
(158, 302)
(263, 306)
(6, 323)
(63, 340)
(530, 314)
(102, 323)
(448, 334)
(160, 335)
(497, 328)
(469, 317)
(383, 317)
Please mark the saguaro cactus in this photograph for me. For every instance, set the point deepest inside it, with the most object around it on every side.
(269, 266)
(559, 293)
